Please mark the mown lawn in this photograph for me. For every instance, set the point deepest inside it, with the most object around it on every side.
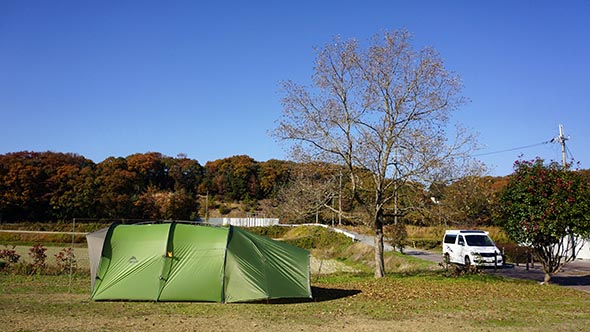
(424, 301)
(417, 298)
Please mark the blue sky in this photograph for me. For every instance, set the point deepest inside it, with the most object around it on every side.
(113, 78)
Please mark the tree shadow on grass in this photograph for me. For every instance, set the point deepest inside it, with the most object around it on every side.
(571, 280)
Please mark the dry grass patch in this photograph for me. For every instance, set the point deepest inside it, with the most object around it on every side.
(426, 302)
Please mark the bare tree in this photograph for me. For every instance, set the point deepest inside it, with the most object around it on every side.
(467, 200)
(309, 192)
(382, 109)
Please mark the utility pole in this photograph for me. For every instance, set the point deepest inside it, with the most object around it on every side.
(207, 208)
(561, 140)
(332, 211)
(395, 188)
(340, 201)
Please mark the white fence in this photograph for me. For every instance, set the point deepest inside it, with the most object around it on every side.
(582, 246)
(262, 222)
(245, 222)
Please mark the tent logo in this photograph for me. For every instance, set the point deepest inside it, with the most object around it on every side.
(132, 260)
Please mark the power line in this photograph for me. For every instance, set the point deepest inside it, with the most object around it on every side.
(570, 153)
(512, 149)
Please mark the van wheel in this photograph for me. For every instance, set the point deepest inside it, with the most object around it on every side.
(467, 261)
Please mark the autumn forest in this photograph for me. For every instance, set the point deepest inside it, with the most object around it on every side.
(51, 186)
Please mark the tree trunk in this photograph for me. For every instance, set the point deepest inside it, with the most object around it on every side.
(379, 262)
(547, 278)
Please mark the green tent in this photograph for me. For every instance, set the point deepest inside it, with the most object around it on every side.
(192, 262)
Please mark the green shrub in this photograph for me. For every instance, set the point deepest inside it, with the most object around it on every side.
(397, 235)
(312, 237)
(514, 253)
(223, 209)
(273, 232)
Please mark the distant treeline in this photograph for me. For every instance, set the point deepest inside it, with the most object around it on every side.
(45, 186)
(50, 186)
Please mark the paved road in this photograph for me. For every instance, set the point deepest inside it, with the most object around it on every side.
(575, 274)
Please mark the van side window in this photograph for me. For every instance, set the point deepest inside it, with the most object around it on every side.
(450, 238)
(461, 240)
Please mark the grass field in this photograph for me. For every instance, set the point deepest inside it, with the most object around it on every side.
(415, 296)
(425, 302)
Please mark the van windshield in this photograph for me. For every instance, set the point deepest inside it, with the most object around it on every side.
(479, 241)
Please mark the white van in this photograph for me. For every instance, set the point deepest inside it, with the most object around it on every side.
(471, 247)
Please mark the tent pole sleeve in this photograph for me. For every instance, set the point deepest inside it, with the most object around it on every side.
(168, 258)
(230, 232)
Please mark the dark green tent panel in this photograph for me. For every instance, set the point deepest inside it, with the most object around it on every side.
(260, 268)
(191, 262)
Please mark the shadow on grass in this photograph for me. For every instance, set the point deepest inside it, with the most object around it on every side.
(320, 294)
(571, 280)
